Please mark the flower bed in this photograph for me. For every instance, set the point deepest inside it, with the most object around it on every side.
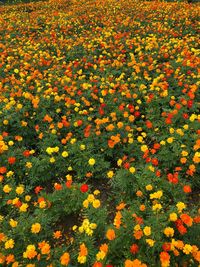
(99, 134)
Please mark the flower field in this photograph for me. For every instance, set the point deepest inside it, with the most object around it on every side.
(99, 134)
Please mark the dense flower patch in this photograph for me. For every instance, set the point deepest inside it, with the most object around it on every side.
(99, 134)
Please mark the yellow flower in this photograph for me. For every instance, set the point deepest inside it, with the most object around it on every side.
(93, 226)
(28, 165)
(100, 255)
(169, 232)
(20, 189)
(56, 149)
(150, 242)
(184, 153)
(156, 207)
(10, 143)
(96, 203)
(96, 192)
(91, 161)
(42, 204)
(173, 217)
(13, 223)
(119, 162)
(9, 244)
(170, 140)
(23, 207)
(149, 187)
(65, 154)
(85, 203)
(187, 249)
(16, 71)
(132, 169)
(82, 147)
(147, 230)
(144, 148)
(7, 188)
(49, 150)
(52, 160)
(156, 195)
(27, 198)
(35, 228)
(9, 174)
(193, 117)
(91, 198)
(180, 206)
(162, 142)
(110, 174)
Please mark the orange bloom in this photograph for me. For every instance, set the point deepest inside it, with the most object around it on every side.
(44, 247)
(187, 189)
(10, 258)
(65, 259)
(110, 234)
(83, 250)
(186, 219)
(57, 234)
(117, 219)
(138, 234)
(165, 259)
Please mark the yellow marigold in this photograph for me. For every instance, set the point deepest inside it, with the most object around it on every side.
(13, 223)
(110, 174)
(150, 242)
(170, 140)
(157, 207)
(149, 187)
(20, 189)
(91, 161)
(147, 230)
(96, 203)
(180, 206)
(35, 228)
(187, 249)
(173, 217)
(9, 244)
(144, 148)
(7, 189)
(169, 232)
(23, 207)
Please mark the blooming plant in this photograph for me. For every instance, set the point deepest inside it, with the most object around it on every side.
(99, 134)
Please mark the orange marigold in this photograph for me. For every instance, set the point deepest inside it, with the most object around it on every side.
(65, 259)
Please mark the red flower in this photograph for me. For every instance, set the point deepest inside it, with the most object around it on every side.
(26, 153)
(134, 249)
(166, 246)
(84, 188)
(38, 189)
(11, 160)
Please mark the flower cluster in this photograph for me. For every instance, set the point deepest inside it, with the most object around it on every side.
(99, 134)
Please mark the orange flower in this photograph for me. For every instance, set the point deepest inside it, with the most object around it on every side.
(44, 247)
(83, 250)
(65, 259)
(3, 170)
(110, 234)
(117, 219)
(165, 259)
(97, 264)
(138, 234)
(121, 206)
(187, 189)
(186, 219)
(57, 234)
(10, 258)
